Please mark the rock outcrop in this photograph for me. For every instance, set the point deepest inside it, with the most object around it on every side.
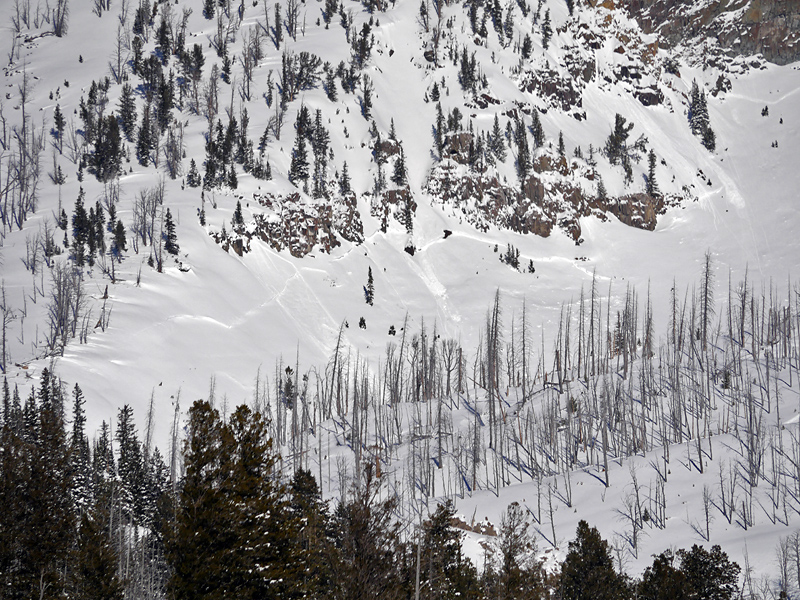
(745, 27)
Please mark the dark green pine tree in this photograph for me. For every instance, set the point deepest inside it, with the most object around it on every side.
(314, 542)
(662, 580)
(519, 574)
(523, 152)
(497, 143)
(617, 142)
(170, 235)
(399, 176)
(587, 572)
(193, 177)
(710, 575)
(80, 457)
(562, 151)
(129, 466)
(59, 123)
(344, 181)
(547, 30)
(80, 230)
(709, 139)
(527, 47)
(298, 170)
(95, 572)
(369, 290)
(444, 571)
(234, 535)
(652, 185)
(120, 243)
(127, 111)
(537, 131)
(237, 222)
(144, 139)
(439, 131)
(368, 561)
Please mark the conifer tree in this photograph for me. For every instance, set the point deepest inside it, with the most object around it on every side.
(369, 290)
(587, 572)
(80, 458)
(170, 235)
(127, 111)
(95, 575)
(523, 152)
(399, 174)
(562, 151)
(344, 180)
(497, 141)
(547, 30)
(193, 177)
(144, 140)
(652, 184)
(537, 131)
(298, 170)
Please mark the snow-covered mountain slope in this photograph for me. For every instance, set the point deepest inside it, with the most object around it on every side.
(217, 315)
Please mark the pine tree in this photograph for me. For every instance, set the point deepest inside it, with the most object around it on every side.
(444, 571)
(523, 152)
(562, 151)
(497, 141)
(59, 124)
(369, 290)
(547, 30)
(652, 185)
(144, 140)
(709, 139)
(234, 533)
(616, 144)
(80, 458)
(129, 466)
(602, 194)
(238, 219)
(119, 243)
(344, 181)
(127, 111)
(537, 131)
(193, 177)
(527, 47)
(438, 131)
(95, 576)
(399, 174)
(709, 574)
(314, 545)
(587, 572)
(170, 235)
(520, 574)
(298, 170)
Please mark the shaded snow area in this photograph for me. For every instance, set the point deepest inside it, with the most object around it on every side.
(629, 357)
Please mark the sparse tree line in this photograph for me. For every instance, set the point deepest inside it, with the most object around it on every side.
(218, 517)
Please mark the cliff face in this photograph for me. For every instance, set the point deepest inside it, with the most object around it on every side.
(746, 27)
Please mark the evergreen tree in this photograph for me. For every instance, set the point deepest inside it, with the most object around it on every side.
(119, 243)
(537, 131)
(617, 142)
(523, 152)
(314, 542)
(444, 571)
(80, 458)
(193, 177)
(587, 572)
(652, 184)
(238, 218)
(547, 30)
(497, 142)
(369, 290)
(527, 47)
(520, 574)
(602, 194)
(439, 132)
(298, 169)
(344, 181)
(170, 235)
(59, 123)
(710, 575)
(80, 229)
(663, 581)
(399, 174)
(562, 151)
(144, 140)
(130, 466)
(127, 111)
(234, 534)
(95, 576)
(709, 139)
(369, 550)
